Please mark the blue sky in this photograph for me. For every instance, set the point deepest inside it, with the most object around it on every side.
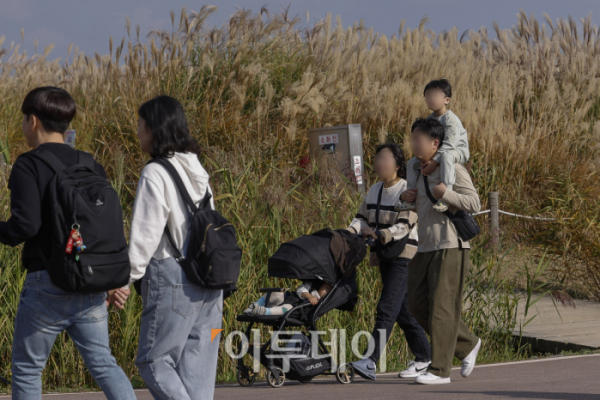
(89, 23)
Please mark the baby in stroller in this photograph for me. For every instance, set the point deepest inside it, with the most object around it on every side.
(279, 302)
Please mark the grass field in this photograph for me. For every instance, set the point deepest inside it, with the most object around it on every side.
(529, 99)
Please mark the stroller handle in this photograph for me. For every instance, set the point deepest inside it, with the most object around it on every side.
(369, 239)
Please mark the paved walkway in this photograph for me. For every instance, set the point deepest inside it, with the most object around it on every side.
(569, 329)
(560, 378)
(550, 331)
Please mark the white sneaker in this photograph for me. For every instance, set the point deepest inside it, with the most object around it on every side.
(440, 207)
(404, 206)
(430, 379)
(414, 369)
(469, 362)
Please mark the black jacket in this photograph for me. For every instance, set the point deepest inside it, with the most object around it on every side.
(29, 221)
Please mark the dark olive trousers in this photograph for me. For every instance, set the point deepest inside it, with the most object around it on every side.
(435, 286)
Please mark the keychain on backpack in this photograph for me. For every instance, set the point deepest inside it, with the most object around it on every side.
(75, 240)
(69, 248)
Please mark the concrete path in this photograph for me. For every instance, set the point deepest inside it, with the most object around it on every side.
(569, 329)
(573, 329)
(559, 378)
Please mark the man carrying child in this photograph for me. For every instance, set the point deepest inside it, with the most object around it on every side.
(437, 272)
(453, 150)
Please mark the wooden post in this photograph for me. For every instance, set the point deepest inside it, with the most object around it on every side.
(494, 218)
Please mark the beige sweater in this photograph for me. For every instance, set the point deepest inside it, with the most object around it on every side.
(436, 231)
(393, 225)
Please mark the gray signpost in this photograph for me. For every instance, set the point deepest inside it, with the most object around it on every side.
(344, 143)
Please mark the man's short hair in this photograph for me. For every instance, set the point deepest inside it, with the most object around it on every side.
(441, 84)
(54, 107)
(431, 127)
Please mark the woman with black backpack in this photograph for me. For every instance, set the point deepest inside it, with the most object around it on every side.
(177, 357)
(395, 243)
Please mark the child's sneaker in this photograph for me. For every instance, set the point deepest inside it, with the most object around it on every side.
(440, 207)
(248, 311)
(255, 309)
(405, 206)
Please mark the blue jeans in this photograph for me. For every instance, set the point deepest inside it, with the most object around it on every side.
(45, 311)
(176, 357)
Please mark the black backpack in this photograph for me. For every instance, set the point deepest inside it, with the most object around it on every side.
(82, 200)
(213, 257)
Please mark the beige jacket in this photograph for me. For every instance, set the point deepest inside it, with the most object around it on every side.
(436, 231)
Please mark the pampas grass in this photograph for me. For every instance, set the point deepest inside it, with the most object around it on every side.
(528, 97)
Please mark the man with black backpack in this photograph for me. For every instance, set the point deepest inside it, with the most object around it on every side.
(69, 217)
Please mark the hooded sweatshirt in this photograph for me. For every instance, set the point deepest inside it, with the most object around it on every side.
(159, 204)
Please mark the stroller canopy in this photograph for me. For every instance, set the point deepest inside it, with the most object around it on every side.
(328, 255)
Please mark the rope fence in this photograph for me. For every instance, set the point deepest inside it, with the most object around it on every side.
(494, 211)
(519, 215)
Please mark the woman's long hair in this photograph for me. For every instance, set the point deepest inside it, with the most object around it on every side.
(166, 120)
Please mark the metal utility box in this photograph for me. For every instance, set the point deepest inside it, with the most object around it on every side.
(343, 142)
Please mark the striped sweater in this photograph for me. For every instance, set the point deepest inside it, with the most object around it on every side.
(393, 225)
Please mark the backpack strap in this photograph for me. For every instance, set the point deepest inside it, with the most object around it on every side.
(179, 183)
(378, 207)
(86, 159)
(178, 255)
(433, 200)
(53, 162)
(186, 198)
(427, 190)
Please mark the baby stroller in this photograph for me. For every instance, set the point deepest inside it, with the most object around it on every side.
(330, 256)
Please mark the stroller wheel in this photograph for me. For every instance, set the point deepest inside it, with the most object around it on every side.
(345, 373)
(245, 378)
(273, 381)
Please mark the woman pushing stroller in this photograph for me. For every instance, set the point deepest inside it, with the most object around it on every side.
(395, 245)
